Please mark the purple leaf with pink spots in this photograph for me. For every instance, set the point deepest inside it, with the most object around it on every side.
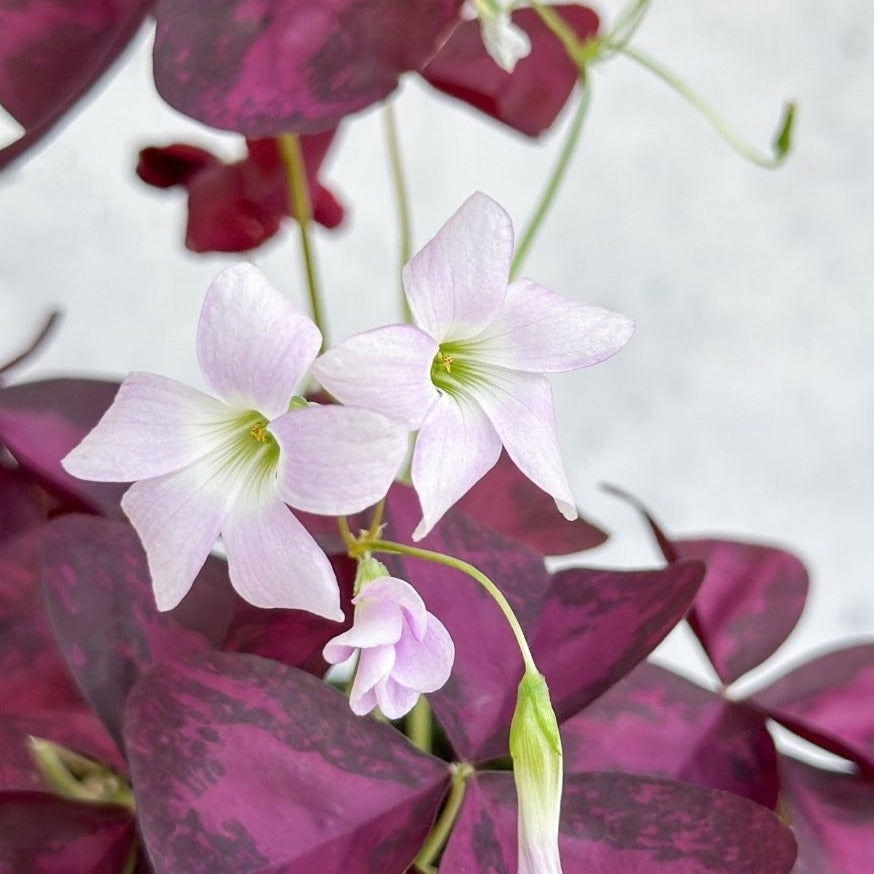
(52, 53)
(623, 823)
(263, 68)
(40, 422)
(587, 628)
(530, 98)
(508, 502)
(829, 701)
(243, 764)
(655, 722)
(40, 834)
(832, 815)
(99, 600)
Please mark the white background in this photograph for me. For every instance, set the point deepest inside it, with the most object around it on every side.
(745, 403)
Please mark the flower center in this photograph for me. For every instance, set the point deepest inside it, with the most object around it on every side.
(454, 368)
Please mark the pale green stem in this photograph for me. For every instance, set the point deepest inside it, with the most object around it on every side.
(130, 864)
(402, 200)
(782, 141)
(555, 180)
(626, 25)
(471, 571)
(419, 725)
(443, 827)
(301, 206)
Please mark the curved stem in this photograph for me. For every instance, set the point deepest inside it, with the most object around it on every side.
(555, 179)
(41, 336)
(402, 201)
(302, 209)
(442, 828)
(782, 142)
(465, 568)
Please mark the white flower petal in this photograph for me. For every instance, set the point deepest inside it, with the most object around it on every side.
(506, 42)
(376, 623)
(254, 345)
(456, 284)
(521, 408)
(540, 331)
(425, 664)
(373, 665)
(402, 596)
(154, 426)
(337, 460)
(394, 699)
(274, 562)
(387, 370)
(178, 518)
(456, 446)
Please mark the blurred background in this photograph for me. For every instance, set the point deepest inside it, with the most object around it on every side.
(744, 405)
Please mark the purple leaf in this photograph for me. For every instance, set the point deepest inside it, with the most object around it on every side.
(41, 834)
(655, 722)
(243, 764)
(750, 600)
(614, 823)
(40, 422)
(99, 599)
(828, 701)
(263, 68)
(23, 504)
(530, 98)
(587, 628)
(508, 502)
(832, 816)
(51, 54)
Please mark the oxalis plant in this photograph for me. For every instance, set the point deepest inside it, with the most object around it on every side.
(384, 505)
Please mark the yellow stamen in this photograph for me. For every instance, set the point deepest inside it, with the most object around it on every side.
(259, 432)
(445, 361)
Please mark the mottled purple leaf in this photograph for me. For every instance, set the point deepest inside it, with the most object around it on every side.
(587, 628)
(52, 53)
(829, 700)
(530, 98)
(263, 68)
(832, 816)
(619, 824)
(23, 504)
(507, 501)
(243, 764)
(655, 722)
(40, 422)
(41, 834)
(99, 599)
(749, 602)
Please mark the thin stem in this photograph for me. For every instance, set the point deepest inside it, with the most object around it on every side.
(555, 179)
(376, 521)
(302, 209)
(465, 568)
(402, 200)
(419, 725)
(41, 336)
(626, 25)
(782, 141)
(443, 827)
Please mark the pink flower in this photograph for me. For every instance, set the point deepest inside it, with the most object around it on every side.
(229, 464)
(470, 375)
(403, 649)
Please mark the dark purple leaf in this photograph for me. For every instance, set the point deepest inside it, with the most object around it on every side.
(507, 501)
(40, 422)
(655, 722)
(530, 98)
(829, 700)
(99, 599)
(263, 68)
(832, 816)
(176, 164)
(612, 823)
(243, 764)
(23, 504)
(41, 834)
(587, 628)
(749, 602)
(52, 53)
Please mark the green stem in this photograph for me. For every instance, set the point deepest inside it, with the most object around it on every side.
(626, 25)
(443, 827)
(465, 568)
(302, 209)
(782, 141)
(419, 725)
(555, 179)
(402, 200)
